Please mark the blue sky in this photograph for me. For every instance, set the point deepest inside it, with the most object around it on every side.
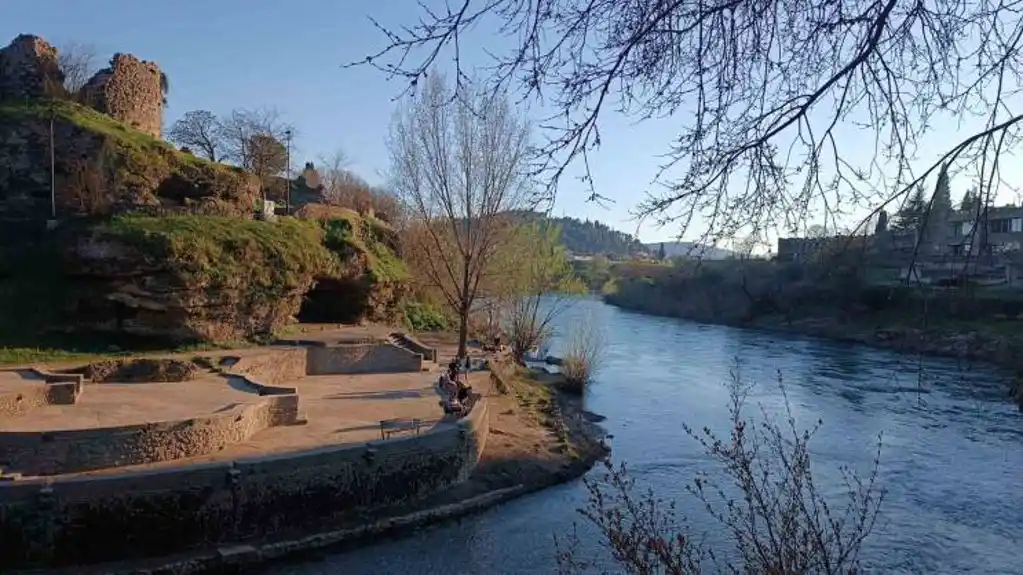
(232, 54)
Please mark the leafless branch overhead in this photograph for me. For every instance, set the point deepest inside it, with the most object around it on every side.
(765, 93)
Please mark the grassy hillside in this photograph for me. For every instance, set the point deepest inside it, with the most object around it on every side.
(104, 166)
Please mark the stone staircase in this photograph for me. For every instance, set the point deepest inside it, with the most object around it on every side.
(406, 342)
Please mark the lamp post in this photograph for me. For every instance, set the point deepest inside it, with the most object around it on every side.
(287, 175)
(53, 168)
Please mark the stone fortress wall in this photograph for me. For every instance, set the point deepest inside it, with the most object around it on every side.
(29, 69)
(69, 520)
(129, 89)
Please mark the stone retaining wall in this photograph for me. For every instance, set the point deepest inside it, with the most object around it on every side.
(80, 520)
(274, 366)
(78, 450)
(361, 358)
(48, 389)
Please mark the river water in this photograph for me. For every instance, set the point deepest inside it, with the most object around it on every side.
(952, 455)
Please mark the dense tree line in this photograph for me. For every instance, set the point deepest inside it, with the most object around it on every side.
(591, 237)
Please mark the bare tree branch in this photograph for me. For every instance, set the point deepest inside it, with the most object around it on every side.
(200, 130)
(766, 93)
(77, 61)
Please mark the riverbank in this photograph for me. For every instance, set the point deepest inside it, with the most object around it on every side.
(999, 343)
(539, 436)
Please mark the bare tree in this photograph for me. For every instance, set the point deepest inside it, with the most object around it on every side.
(341, 186)
(199, 130)
(458, 164)
(771, 507)
(242, 125)
(254, 139)
(267, 159)
(760, 91)
(334, 173)
(77, 61)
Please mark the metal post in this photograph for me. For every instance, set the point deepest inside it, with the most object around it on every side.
(53, 173)
(287, 177)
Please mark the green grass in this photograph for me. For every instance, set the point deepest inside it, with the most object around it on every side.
(91, 120)
(366, 235)
(224, 252)
(44, 354)
(27, 355)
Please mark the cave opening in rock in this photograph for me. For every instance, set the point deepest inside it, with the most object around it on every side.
(335, 301)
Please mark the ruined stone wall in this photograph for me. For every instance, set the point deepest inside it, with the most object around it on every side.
(78, 450)
(130, 90)
(29, 69)
(83, 520)
(49, 389)
(273, 366)
(21, 402)
(362, 358)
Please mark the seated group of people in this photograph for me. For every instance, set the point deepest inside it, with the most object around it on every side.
(455, 386)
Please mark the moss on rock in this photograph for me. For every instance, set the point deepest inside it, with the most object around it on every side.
(180, 278)
(370, 280)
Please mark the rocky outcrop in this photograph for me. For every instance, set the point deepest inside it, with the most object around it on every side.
(29, 69)
(370, 282)
(189, 278)
(131, 91)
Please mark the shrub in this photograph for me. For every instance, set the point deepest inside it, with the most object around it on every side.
(424, 317)
(582, 353)
(770, 507)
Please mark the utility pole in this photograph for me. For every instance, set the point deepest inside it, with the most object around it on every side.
(53, 170)
(287, 175)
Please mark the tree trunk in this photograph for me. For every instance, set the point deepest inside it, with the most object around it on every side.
(463, 333)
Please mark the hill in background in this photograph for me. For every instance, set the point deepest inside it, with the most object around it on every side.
(587, 237)
(689, 250)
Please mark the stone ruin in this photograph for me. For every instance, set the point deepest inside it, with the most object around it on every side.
(129, 90)
(29, 69)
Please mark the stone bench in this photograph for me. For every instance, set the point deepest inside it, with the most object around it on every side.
(389, 427)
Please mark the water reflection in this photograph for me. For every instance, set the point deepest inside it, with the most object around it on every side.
(951, 458)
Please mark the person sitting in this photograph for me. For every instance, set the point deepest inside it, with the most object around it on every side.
(453, 405)
(463, 393)
(447, 386)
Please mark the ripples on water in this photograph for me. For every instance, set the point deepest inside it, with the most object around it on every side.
(952, 455)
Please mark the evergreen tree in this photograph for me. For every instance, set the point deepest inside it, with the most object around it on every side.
(911, 216)
(970, 201)
(941, 201)
(661, 255)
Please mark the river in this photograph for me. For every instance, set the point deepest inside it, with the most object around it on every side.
(952, 455)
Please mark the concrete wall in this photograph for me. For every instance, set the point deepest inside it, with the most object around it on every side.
(78, 520)
(78, 450)
(361, 358)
